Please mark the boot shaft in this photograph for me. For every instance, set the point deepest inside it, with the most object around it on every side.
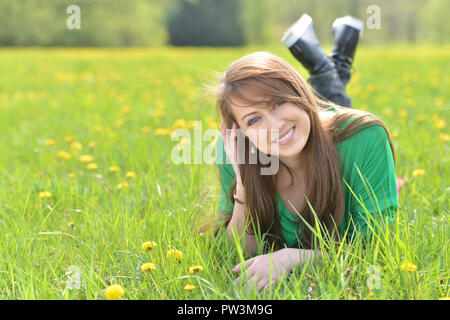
(346, 31)
(302, 41)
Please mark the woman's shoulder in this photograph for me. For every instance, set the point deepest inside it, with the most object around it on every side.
(351, 118)
(368, 132)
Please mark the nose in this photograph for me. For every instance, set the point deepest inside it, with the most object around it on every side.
(275, 123)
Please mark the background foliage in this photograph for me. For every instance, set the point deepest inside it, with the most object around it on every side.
(211, 22)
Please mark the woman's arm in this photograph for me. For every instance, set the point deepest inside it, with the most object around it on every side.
(262, 269)
(238, 221)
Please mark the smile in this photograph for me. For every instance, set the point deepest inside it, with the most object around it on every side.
(288, 137)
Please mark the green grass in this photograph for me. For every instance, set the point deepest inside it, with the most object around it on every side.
(117, 98)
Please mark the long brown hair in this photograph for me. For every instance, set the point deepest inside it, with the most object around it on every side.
(274, 79)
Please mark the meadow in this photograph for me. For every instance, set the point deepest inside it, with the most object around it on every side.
(89, 196)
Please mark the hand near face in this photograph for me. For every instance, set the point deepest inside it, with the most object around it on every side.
(230, 145)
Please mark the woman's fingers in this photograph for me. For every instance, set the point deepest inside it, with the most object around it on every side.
(262, 284)
(229, 137)
(247, 275)
(247, 264)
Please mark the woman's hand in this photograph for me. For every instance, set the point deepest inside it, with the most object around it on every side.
(230, 145)
(265, 269)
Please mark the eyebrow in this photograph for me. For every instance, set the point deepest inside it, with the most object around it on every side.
(248, 114)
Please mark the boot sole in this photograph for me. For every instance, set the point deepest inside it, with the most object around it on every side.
(296, 30)
(351, 22)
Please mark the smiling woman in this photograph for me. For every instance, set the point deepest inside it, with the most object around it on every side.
(330, 156)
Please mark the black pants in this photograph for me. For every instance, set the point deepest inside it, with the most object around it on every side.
(331, 85)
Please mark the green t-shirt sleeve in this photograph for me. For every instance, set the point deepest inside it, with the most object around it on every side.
(377, 188)
(227, 176)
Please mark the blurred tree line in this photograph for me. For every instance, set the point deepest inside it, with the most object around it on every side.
(212, 22)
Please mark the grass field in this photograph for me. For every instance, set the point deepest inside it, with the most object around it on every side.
(86, 178)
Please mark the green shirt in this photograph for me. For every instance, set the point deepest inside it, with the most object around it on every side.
(368, 150)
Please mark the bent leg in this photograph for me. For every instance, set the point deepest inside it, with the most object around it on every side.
(328, 85)
(344, 74)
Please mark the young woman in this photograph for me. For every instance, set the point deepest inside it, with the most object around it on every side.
(335, 160)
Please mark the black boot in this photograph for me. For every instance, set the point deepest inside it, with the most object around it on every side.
(303, 44)
(346, 31)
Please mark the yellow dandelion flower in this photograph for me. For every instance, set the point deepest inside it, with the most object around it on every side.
(130, 174)
(195, 269)
(148, 245)
(162, 131)
(45, 194)
(159, 112)
(191, 124)
(148, 267)
(74, 145)
(49, 142)
(444, 137)
(410, 102)
(395, 133)
(119, 123)
(145, 129)
(435, 117)
(435, 82)
(409, 91)
(439, 124)
(91, 144)
(439, 103)
(370, 87)
(418, 172)
(180, 123)
(92, 166)
(402, 113)
(114, 292)
(68, 138)
(71, 175)
(408, 266)
(189, 287)
(387, 112)
(212, 125)
(114, 169)
(126, 109)
(98, 128)
(122, 185)
(86, 158)
(420, 117)
(363, 107)
(174, 254)
(63, 155)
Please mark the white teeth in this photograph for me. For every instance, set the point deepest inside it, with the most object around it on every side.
(287, 135)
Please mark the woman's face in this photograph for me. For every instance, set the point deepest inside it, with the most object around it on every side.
(282, 130)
